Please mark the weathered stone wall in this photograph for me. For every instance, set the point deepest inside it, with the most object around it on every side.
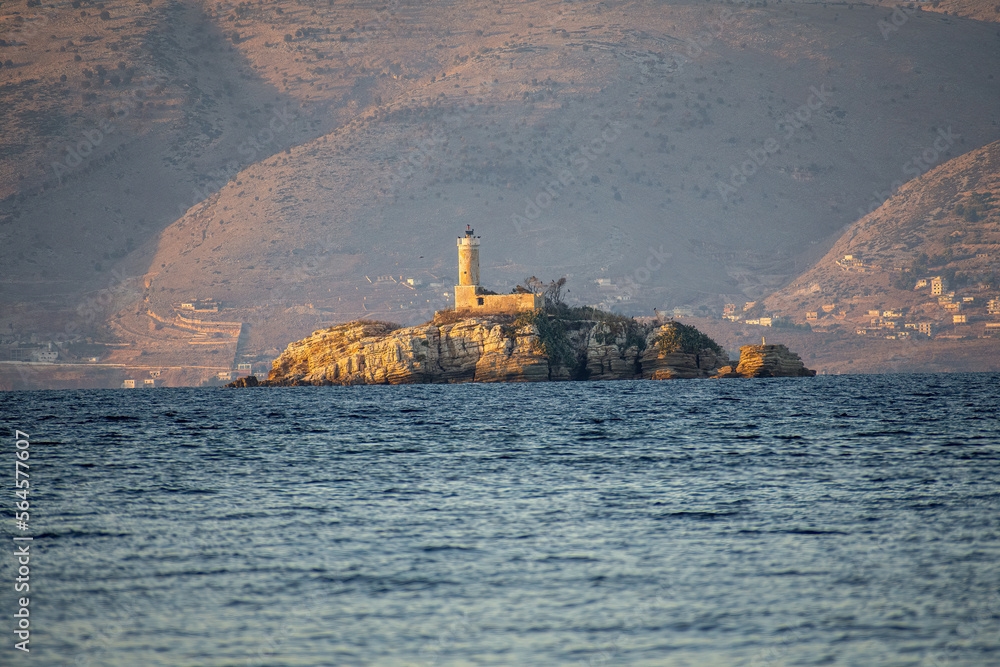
(467, 298)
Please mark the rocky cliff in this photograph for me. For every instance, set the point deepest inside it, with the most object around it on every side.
(529, 348)
(764, 361)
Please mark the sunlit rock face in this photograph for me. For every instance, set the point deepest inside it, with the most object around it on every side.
(757, 361)
(485, 349)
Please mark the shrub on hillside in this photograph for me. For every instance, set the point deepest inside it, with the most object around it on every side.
(677, 337)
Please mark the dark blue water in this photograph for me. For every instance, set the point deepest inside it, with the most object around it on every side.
(826, 521)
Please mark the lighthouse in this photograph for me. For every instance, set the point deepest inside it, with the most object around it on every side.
(468, 258)
(470, 296)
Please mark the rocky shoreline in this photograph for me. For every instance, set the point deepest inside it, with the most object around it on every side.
(532, 347)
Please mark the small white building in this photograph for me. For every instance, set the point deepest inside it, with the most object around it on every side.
(44, 356)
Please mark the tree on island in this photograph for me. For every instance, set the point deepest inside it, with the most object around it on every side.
(551, 291)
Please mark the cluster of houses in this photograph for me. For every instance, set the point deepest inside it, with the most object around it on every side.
(147, 383)
(958, 311)
(888, 323)
(143, 383)
(243, 370)
(732, 313)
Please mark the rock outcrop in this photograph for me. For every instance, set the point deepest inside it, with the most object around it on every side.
(499, 348)
(765, 361)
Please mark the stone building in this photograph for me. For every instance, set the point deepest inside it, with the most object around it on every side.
(471, 296)
(938, 286)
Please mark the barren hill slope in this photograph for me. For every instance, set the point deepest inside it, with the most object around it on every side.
(981, 10)
(689, 152)
(945, 223)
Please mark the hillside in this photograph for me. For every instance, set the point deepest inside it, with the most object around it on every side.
(297, 161)
(944, 224)
(981, 10)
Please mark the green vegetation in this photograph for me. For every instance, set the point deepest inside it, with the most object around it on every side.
(787, 323)
(625, 331)
(976, 206)
(553, 336)
(557, 321)
(684, 338)
(622, 330)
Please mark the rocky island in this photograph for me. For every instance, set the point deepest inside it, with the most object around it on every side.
(530, 335)
(532, 347)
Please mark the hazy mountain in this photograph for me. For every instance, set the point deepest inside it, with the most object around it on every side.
(708, 152)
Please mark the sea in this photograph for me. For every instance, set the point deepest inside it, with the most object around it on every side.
(836, 520)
